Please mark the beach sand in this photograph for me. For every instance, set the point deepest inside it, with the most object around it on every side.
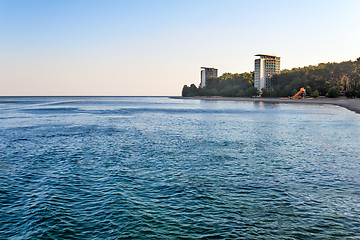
(351, 104)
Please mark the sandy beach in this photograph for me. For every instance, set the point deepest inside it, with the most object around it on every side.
(351, 104)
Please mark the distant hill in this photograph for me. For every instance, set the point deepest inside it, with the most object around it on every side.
(329, 79)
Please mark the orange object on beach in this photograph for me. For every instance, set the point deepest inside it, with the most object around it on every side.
(299, 95)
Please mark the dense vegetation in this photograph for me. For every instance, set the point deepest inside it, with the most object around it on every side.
(227, 85)
(329, 79)
(326, 79)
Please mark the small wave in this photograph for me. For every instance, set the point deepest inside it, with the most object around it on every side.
(51, 110)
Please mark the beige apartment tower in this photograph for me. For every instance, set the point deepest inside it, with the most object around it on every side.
(205, 73)
(265, 67)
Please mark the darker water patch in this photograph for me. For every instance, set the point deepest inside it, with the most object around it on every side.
(134, 111)
(51, 110)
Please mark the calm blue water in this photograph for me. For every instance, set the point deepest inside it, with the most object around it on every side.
(160, 168)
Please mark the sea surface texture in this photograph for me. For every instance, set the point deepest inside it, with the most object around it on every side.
(161, 168)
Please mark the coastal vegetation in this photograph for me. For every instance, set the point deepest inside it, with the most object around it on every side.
(325, 79)
(227, 85)
(329, 79)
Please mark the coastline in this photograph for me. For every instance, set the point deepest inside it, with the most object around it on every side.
(350, 104)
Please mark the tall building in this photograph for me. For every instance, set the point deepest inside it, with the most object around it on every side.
(205, 73)
(265, 67)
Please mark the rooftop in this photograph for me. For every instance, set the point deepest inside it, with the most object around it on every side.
(208, 68)
(264, 55)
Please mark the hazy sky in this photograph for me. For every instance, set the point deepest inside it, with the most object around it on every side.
(154, 47)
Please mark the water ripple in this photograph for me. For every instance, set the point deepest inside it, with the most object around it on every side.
(155, 168)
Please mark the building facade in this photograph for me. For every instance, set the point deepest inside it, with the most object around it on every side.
(206, 73)
(265, 67)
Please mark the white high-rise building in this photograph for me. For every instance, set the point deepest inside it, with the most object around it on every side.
(265, 67)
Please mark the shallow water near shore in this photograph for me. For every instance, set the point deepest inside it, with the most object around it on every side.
(160, 168)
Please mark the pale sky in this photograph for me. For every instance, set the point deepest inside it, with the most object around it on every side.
(154, 47)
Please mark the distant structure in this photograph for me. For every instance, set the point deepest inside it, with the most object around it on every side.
(206, 73)
(265, 67)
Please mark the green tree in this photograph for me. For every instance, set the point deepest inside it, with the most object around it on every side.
(241, 93)
(213, 92)
(251, 92)
(267, 93)
(308, 90)
(193, 90)
(350, 93)
(315, 94)
(333, 92)
(185, 91)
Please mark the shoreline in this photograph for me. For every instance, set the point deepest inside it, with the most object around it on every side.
(350, 104)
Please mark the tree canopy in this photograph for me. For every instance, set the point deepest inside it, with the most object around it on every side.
(227, 85)
(344, 76)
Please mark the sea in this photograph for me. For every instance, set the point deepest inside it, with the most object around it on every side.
(164, 168)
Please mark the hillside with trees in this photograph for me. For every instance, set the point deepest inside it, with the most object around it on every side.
(325, 79)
